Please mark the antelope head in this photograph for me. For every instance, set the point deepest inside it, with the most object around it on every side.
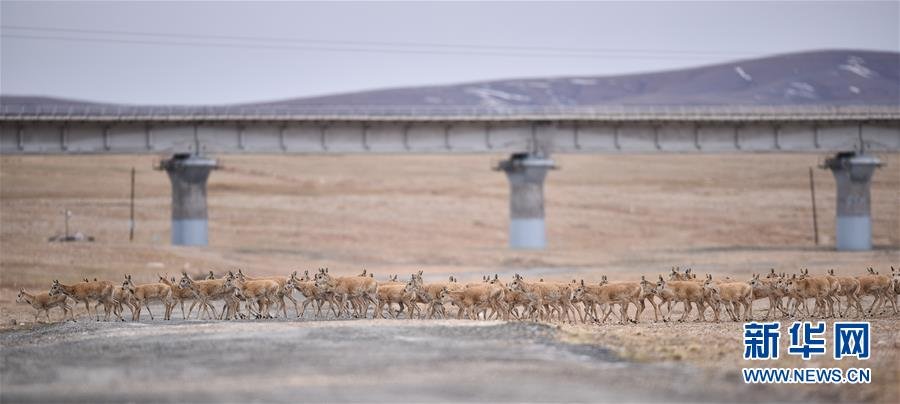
(22, 297)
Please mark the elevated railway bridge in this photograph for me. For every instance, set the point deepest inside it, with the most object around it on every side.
(191, 136)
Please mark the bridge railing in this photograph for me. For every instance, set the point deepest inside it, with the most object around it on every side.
(101, 112)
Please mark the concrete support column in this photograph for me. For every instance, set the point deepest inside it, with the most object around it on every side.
(853, 173)
(526, 173)
(188, 174)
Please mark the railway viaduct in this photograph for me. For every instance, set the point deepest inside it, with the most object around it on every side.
(191, 136)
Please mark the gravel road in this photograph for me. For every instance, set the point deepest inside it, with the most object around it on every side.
(345, 361)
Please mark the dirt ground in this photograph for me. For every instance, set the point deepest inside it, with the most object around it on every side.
(363, 360)
(621, 216)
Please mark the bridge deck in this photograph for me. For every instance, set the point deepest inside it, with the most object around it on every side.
(62, 129)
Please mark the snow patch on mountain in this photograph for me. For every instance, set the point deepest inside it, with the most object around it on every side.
(583, 81)
(856, 65)
(744, 75)
(494, 98)
(855, 90)
(799, 89)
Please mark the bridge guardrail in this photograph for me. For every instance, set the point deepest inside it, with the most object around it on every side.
(56, 112)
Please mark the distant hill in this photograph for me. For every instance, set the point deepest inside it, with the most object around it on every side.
(831, 77)
(838, 77)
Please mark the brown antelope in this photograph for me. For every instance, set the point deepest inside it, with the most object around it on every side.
(589, 296)
(43, 302)
(676, 274)
(403, 294)
(565, 302)
(530, 298)
(629, 293)
(121, 298)
(99, 291)
(557, 297)
(665, 296)
(475, 298)
(496, 291)
(515, 299)
(895, 277)
(435, 306)
(849, 288)
(179, 294)
(545, 300)
(735, 296)
(261, 291)
(421, 295)
(610, 294)
(648, 293)
(802, 288)
(768, 288)
(452, 286)
(206, 291)
(878, 286)
(145, 293)
(832, 289)
(772, 274)
(686, 292)
(282, 294)
(433, 296)
(437, 303)
(552, 296)
(357, 290)
(307, 287)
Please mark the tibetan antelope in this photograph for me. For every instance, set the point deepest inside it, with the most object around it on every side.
(311, 294)
(403, 294)
(206, 291)
(283, 293)
(433, 296)
(850, 290)
(686, 292)
(179, 294)
(878, 286)
(43, 302)
(771, 289)
(145, 293)
(735, 296)
(99, 291)
(261, 291)
(622, 294)
(121, 298)
(802, 288)
(357, 290)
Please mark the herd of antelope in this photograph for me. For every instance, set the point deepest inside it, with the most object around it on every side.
(353, 296)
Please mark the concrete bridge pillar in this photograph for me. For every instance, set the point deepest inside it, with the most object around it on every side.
(526, 173)
(188, 174)
(853, 174)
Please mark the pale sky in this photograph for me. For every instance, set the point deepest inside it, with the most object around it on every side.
(228, 52)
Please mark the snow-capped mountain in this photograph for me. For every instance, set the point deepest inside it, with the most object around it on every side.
(836, 77)
(832, 77)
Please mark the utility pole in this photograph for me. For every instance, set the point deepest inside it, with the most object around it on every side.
(131, 218)
(67, 214)
(812, 193)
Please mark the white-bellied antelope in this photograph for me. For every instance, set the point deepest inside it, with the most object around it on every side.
(99, 291)
(43, 302)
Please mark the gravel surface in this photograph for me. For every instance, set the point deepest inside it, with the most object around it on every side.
(346, 361)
